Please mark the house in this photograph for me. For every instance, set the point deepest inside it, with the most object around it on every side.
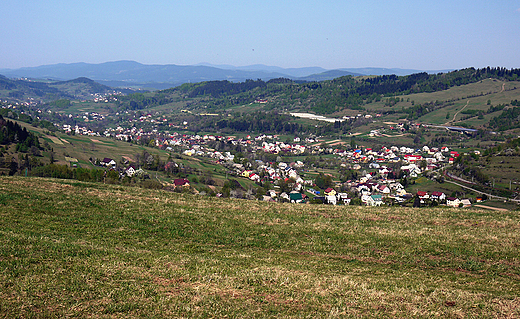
(108, 162)
(330, 192)
(401, 192)
(181, 182)
(413, 158)
(254, 177)
(343, 198)
(331, 199)
(375, 200)
(266, 198)
(383, 189)
(466, 202)
(412, 169)
(422, 195)
(285, 196)
(130, 171)
(438, 196)
(374, 165)
(365, 197)
(295, 197)
(396, 186)
(452, 201)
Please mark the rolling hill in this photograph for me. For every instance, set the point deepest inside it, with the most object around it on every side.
(46, 91)
(87, 249)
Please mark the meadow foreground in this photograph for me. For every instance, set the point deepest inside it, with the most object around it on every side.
(92, 250)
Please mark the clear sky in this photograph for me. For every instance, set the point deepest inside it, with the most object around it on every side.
(424, 35)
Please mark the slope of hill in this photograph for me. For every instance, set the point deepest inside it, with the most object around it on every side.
(22, 90)
(327, 97)
(82, 249)
(45, 91)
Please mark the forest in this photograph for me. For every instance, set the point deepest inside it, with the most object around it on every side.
(325, 97)
(11, 132)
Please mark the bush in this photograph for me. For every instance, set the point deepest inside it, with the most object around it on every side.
(151, 184)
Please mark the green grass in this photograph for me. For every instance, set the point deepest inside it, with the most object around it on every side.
(490, 88)
(92, 250)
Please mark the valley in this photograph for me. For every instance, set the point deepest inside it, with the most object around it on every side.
(265, 140)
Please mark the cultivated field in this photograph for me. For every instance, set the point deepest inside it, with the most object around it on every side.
(93, 250)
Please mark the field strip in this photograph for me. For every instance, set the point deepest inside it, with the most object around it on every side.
(398, 135)
(335, 141)
(493, 208)
(55, 140)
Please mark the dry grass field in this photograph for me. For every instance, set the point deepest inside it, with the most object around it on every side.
(73, 249)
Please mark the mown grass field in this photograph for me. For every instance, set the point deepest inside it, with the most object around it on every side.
(93, 250)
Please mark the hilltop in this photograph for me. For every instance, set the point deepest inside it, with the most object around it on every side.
(87, 249)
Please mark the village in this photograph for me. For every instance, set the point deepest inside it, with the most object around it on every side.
(379, 173)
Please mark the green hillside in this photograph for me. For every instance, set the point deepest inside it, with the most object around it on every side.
(82, 150)
(31, 90)
(92, 250)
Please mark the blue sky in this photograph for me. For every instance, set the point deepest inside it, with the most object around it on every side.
(425, 35)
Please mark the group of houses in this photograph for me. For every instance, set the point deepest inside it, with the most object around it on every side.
(373, 187)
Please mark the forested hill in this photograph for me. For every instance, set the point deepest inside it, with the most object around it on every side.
(324, 97)
(45, 91)
(13, 133)
(19, 89)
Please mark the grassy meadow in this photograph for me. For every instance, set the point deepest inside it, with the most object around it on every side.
(91, 250)
(464, 97)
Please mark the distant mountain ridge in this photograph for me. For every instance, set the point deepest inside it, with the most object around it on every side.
(131, 73)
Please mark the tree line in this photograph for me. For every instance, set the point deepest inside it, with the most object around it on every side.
(321, 97)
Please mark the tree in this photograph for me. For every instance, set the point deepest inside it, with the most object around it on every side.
(417, 202)
(323, 181)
